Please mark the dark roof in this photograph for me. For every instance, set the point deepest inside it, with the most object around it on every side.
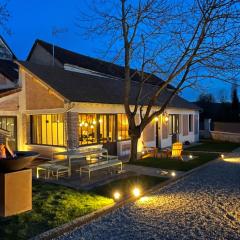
(68, 57)
(9, 91)
(13, 55)
(79, 87)
(9, 69)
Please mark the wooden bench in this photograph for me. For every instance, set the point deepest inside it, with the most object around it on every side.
(100, 165)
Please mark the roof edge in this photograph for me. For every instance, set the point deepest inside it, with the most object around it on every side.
(42, 81)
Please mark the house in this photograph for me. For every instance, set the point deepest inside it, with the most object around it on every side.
(78, 101)
(8, 69)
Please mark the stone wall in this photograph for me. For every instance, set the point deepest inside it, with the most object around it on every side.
(72, 129)
(226, 127)
(225, 136)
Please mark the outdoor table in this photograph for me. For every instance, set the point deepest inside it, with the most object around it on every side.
(78, 153)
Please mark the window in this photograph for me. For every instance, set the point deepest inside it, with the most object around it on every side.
(87, 129)
(48, 129)
(173, 124)
(97, 128)
(10, 124)
(190, 122)
(122, 122)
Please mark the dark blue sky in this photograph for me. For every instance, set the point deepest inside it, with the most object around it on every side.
(33, 19)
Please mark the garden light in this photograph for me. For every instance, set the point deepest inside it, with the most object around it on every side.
(191, 156)
(116, 195)
(173, 174)
(222, 156)
(136, 192)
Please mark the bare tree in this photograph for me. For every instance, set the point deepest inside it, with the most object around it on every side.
(4, 17)
(181, 42)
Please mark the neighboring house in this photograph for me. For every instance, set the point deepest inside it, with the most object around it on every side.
(79, 102)
(8, 69)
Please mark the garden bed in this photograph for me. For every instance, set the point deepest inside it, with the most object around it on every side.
(53, 205)
(214, 146)
(125, 186)
(176, 164)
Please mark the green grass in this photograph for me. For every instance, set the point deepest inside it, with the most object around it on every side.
(53, 205)
(214, 146)
(176, 164)
(124, 186)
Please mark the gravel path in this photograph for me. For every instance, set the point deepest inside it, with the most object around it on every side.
(204, 205)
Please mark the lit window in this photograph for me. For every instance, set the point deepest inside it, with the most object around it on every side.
(97, 128)
(122, 127)
(48, 129)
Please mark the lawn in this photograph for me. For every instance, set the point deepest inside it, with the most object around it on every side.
(176, 164)
(214, 146)
(125, 186)
(53, 205)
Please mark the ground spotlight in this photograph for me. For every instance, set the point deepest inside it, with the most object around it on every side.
(173, 174)
(136, 192)
(116, 195)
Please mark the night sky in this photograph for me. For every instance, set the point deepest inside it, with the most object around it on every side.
(31, 20)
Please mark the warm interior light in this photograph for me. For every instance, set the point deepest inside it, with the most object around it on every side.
(173, 174)
(156, 119)
(119, 138)
(92, 126)
(143, 152)
(80, 124)
(100, 120)
(166, 119)
(136, 192)
(86, 124)
(116, 195)
(94, 122)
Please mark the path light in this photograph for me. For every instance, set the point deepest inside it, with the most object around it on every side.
(173, 174)
(222, 156)
(136, 192)
(116, 195)
(191, 156)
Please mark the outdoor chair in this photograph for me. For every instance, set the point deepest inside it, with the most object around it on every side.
(149, 151)
(177, 149)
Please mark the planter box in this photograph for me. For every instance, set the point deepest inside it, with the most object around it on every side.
(15, 192)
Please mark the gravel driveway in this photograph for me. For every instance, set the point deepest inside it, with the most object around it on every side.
(204, 205)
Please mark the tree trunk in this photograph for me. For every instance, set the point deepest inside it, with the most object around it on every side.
(134, 143)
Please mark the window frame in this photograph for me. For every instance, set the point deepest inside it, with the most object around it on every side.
(190, 122)
(47, 116)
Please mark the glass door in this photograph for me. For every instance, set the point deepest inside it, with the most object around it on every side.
(10, 124)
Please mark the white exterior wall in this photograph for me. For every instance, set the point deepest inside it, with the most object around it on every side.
(191, 137)
(123, 147)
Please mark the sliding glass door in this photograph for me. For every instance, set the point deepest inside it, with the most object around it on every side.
(10, 124)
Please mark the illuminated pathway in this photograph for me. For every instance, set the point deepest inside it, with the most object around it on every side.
(204, 205)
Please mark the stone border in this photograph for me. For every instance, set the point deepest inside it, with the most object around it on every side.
(80, 221)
